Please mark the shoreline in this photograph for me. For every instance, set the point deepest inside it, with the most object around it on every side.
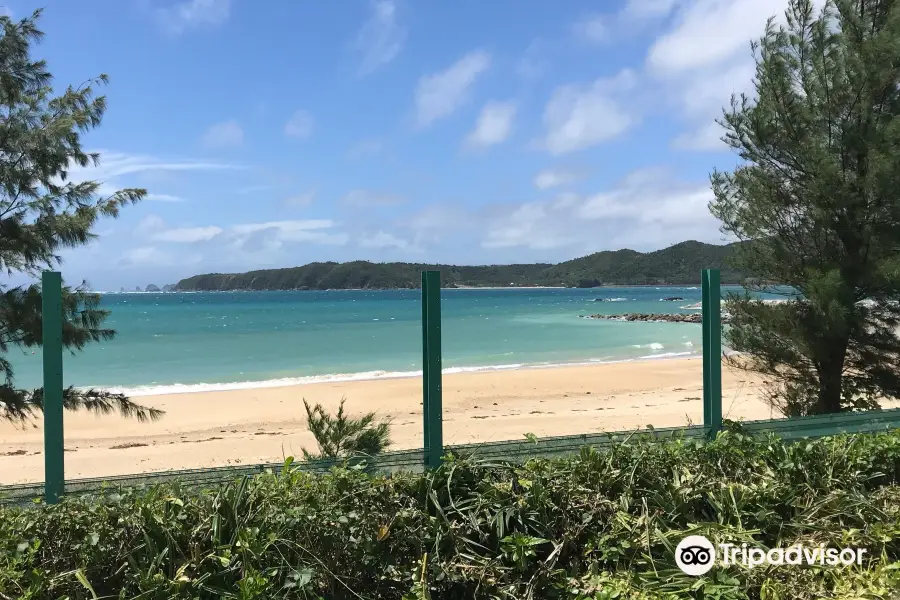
(265, 425)
(147, 390)
(458, 287)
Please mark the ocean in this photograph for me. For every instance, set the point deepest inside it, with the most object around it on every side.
(181, 342)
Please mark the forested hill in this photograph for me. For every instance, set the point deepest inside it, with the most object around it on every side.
(678, 264)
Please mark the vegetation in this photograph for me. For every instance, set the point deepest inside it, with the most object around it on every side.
(341, 436)
(42, 212)
(600, 525)
(679, 264)
(817, 191)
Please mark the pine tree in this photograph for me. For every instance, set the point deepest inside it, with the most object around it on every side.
(816, 198)
(42, 212)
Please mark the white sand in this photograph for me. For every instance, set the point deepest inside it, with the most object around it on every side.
(210, 429)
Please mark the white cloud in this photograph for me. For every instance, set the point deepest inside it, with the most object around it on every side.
(705, 93)
(143, 255)
(163, 198)
(368, 198)
(648, 209)
(605, 28)
(193, 13)
(706, 138)
(140, 254)
(551, 178)
(533, 62)
(648, 9)
(300, 125)
(709, 31)
(565, 200)
(273, 235)
(287, 227)
(149, 224)
(381, 38)
(267, 236)
(301, 200)
(436, 217)
(364, 148)
(383, 240)
(254, 189)
(650, 195)
(526, 226)
(700, 75)
(594, 28)
(151, 256)
(117, 164)
(188, 235)
(227, 134)
(581, 116)
(494, 124)
(440, 94)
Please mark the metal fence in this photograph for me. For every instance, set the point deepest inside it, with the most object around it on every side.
(55, 485)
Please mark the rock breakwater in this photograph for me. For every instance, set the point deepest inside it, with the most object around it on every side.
(654, 317)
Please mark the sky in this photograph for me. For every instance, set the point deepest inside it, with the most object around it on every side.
(274, 134)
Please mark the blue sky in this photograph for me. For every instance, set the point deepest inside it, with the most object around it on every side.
(280, 133)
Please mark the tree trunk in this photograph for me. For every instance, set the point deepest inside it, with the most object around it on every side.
(831, 375)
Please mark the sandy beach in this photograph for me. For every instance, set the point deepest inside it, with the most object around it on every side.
(253, 426)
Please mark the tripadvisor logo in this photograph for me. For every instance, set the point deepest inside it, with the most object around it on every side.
(696, 555)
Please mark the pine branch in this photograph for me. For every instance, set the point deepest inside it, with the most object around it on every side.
(23, 405)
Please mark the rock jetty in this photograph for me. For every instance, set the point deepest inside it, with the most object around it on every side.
(654, 317)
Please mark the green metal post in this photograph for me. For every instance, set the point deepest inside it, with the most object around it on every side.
(431, 369)
(51, 324)
(712, 350)
(704, 329)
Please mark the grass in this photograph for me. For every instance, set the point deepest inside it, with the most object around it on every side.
(599, 525)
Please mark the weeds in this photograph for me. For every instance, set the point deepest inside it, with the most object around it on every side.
(600, 525)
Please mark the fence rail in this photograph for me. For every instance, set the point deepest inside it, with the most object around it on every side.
(433, 449)
(511, 451)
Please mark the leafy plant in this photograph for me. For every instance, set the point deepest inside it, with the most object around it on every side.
(600, 525)
(342, 436)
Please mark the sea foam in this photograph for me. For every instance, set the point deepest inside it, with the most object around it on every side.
(180, 388)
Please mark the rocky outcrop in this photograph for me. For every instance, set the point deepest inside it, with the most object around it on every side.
(654, 317)
(673, 299)
(151, 288)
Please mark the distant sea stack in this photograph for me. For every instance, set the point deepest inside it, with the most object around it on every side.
(151, 288)
(654, 317)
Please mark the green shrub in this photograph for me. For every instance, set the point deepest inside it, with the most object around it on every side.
(341, 436)
(599, 525)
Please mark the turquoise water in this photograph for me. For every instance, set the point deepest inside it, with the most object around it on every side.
(198, 341)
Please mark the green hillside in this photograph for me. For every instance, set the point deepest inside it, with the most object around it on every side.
(678, 264)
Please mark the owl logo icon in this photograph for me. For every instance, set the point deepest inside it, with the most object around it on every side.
(695, 555)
